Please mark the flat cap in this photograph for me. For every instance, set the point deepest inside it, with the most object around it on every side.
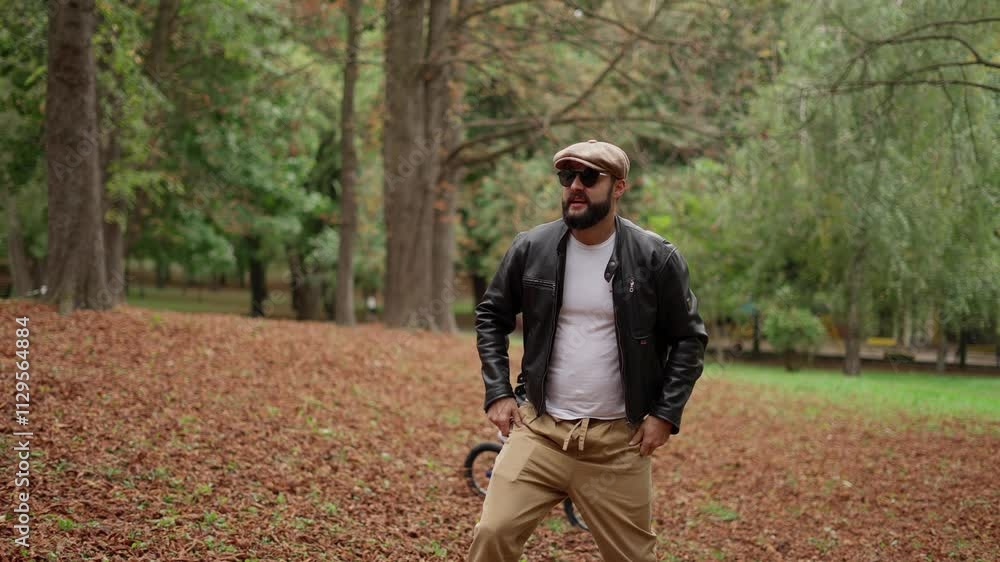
(599, 155)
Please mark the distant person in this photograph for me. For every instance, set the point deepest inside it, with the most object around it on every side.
(613, 345)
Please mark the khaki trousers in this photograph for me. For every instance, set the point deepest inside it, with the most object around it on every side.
(588, 460)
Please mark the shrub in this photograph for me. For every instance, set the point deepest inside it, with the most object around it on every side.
(791, 330)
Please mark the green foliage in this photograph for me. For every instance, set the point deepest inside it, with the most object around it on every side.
(127, 98)
(323, 250)
(494, 208)
(887, 183)
(23, 51)
(740, 154)
(792, 329)
(205, 250)
(686, 94)
(691, 207)
(237, 136)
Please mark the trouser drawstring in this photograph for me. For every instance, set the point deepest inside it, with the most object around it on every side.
(582, 424)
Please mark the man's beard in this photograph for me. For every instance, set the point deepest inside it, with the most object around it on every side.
(592, 215)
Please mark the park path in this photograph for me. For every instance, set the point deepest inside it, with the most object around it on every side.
(170, 436)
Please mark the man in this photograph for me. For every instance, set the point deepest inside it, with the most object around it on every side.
(613, 345)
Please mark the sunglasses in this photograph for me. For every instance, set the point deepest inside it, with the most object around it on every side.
(588, 176)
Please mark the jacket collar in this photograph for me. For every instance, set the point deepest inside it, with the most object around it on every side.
(615, 260)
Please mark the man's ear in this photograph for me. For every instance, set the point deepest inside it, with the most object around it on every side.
(620, 188)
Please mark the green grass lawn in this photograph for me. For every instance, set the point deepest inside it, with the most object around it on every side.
(463, 305)
(935, 396)
(233, 301)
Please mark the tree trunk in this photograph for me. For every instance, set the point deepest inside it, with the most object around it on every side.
(311, 299)
(443, 253)
(162, 272)
(258, 278)
(348, 172)
(907, 337)
(295, 267)
(856, 268)
(163, 28)
(446, 89)
(112, 207)
(114, 248)
(241, 273)
(942, 343)
(128, 270)
(307, 297)
(76, 264)
(17, 255)
(329, 306)
(135, 221)
(852, 343)
(720, 350)
(792, 360)
(410, 169)
(963, 339)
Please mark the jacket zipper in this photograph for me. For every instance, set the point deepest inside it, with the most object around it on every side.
(618, 338)
(555, 326)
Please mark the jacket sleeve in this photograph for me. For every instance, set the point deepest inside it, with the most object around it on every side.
(495, 319)
(681, 328)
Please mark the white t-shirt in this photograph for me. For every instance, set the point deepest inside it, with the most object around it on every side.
(584, 380)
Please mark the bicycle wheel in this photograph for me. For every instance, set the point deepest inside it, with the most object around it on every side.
(479, 466)
(575, 519)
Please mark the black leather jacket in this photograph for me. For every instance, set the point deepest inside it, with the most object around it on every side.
(661, 337)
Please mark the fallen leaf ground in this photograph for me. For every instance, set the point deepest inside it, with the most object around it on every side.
(171, 436)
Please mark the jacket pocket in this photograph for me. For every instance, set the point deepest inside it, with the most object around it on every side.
(537, 300)
(642, 308)
(538, 283)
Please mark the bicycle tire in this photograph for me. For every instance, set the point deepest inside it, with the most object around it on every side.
(470, 460)
(572, 516)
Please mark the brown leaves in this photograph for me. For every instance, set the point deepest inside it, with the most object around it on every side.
(206, 436)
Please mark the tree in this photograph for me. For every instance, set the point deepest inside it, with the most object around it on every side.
(855, 197)
(415, 96)
(76, 273)
(235, 142)
(348, 171)
(22, 89)
(129, 106)
(792, 330)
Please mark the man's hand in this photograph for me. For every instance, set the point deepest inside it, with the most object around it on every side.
(652, 433)
(502, 412)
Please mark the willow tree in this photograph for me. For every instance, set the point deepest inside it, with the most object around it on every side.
(864, 184)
